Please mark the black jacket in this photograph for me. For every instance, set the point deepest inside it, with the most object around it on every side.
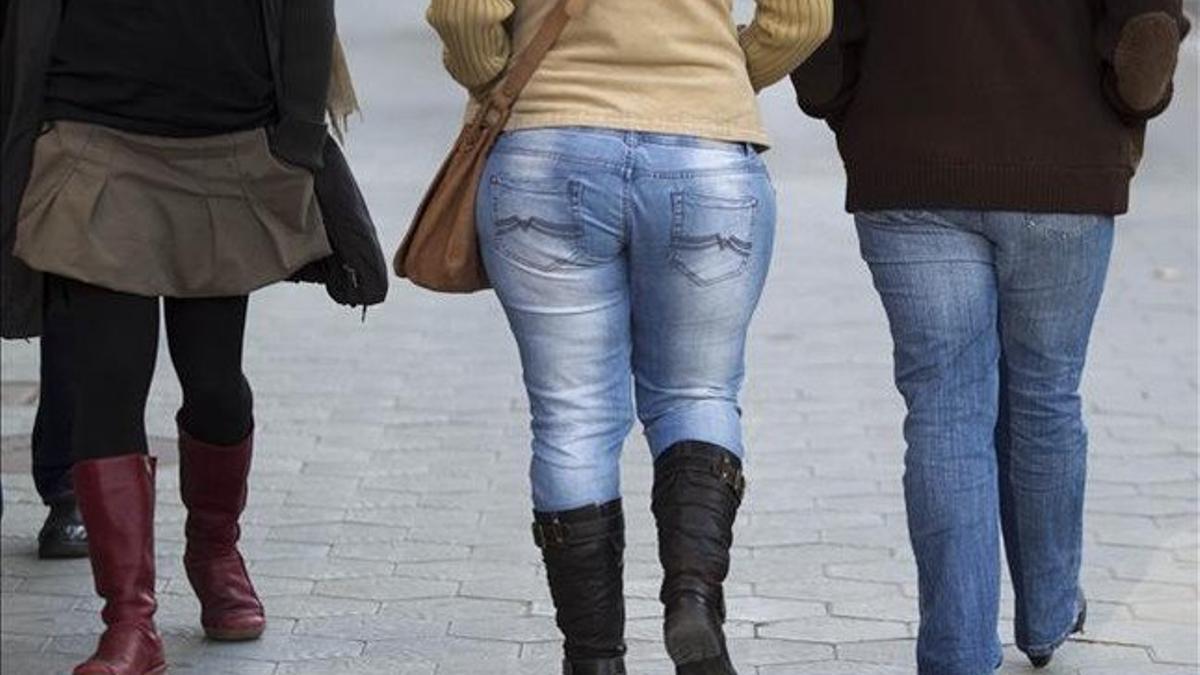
(993, 105)
(300, 36)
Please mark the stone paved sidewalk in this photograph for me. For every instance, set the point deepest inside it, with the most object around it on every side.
(388, 523)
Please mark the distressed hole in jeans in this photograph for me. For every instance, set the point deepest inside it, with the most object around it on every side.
(711, 236)
(536, 223)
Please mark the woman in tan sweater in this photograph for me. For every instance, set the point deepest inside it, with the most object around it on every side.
(627, 222)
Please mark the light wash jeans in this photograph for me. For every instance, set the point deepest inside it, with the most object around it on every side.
(622, 259)
(991, 314)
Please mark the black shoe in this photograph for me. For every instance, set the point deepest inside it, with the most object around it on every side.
(584, 553)
(1043, 660)
(697, 490)
(63, 534)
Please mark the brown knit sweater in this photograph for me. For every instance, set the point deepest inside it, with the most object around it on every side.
(979, 104)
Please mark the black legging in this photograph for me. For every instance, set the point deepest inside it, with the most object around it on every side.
(112, 339)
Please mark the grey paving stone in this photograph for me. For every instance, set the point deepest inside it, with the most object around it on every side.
(312, 607)
(39, 664)
(449, 652)
(888, 652)
(890, 609)
(1125, 591)
(889, 571)
(834, 668)
(1083, 653)
(519, 589)
(371, 627)
(811, 555)
(470, 569)
(54, 623)
(400, 552)
(186, 654)
(1168, 643)
(890, 536)
(757, 652)
(30, 603)
(383, 589)
(322, 569)
(256, 551)
(1171, 611)
(756, 609)
(291, 514)
(268, 587)
(834, 630)
(275, 646)
(21, 644)
(516, 629)
(338, 533)
(365, 665)
(388, 521)
(1122, 669)
(824, 589)
(454, 608)
(25, 565)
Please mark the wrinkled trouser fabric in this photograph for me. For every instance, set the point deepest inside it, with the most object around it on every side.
(990, 315)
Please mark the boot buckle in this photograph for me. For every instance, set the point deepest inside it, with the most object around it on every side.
(550, 535)
(731, 475)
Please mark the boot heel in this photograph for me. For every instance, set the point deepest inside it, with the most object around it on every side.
(689, 635)
(235, 634)
(694, 639)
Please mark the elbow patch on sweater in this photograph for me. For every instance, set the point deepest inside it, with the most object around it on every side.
(1145, 59)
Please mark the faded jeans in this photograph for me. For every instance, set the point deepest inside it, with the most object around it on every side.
(991, 314)
(624, 261)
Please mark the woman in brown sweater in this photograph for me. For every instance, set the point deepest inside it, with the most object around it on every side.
(989, 147)
(626, 222)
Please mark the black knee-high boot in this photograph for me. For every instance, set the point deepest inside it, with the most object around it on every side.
(584, 554)
(697, 490)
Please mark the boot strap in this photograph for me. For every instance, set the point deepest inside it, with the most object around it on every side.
(731, 475)
(722, 468)
(550, 535)
(713, 460)
(557, 534)
(614, 666)
(554, 530)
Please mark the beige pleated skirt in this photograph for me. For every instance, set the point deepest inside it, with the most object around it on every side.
(174, 217)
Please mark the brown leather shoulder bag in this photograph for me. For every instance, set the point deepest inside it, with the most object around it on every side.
(441, 250)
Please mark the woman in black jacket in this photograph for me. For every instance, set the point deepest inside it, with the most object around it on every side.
(175, 145)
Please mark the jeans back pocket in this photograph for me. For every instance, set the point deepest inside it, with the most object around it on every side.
(711, 236)
(536, 223)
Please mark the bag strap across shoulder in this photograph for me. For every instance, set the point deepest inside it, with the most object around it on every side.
(526, 63)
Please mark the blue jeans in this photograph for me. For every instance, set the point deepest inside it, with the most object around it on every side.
(623, 259)
(990, 315)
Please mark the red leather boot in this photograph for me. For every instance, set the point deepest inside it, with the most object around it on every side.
(213, 486)
(116, 499)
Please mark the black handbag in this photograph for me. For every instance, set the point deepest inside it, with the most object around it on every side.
(356, 274)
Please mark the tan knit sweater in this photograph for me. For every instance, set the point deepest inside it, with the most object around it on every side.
(664, 66)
